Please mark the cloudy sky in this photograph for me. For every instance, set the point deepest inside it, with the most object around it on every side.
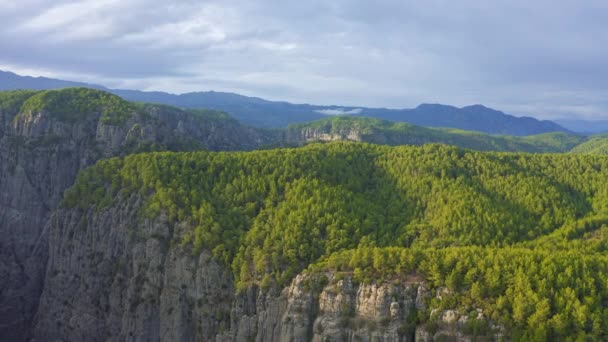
(544, 58)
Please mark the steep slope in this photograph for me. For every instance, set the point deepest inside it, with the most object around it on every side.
(392, 133)
(596, 144)
(337, 240)
(263, 113)
(45, 139)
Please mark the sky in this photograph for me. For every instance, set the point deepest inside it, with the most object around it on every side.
(543, 58)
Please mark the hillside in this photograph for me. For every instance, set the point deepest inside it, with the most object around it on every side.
(596, 144)
(394, 133)
(263, 113)
(316, 241)
(72, 105)
(455, 238)
(46, 137)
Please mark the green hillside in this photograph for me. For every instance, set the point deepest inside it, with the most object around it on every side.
(494, 228)
(596, 144)
(399, 133)
(72, 104)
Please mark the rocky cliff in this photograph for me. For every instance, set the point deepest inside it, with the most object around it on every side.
(113, 275)
(332, 307)
(40, 154)
(325, 133)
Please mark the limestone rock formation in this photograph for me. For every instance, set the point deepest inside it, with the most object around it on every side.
(40, 156)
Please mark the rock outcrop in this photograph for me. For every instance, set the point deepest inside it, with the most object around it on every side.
(113, 275)
(360, 130)
(40, 156)
(325, 133)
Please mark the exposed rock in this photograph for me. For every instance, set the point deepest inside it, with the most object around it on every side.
(421, 297)
(113, 276)
(40, 157)
(325, 133)
(341, 311)
(449, 316)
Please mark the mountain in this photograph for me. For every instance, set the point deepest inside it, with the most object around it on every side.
(585, 126)
(263, 113)
(12, 81)
(46, 137)
(352, 128)
(472, 118)
(327, 242)
(105, 235)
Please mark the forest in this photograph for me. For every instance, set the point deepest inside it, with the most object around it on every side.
(522, 236)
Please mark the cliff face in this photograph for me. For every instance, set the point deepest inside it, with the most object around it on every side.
(35, 168)
(113, 275)
(40, 157)
(349, 129)
(342, 310)
(336, 311)
(308, 134)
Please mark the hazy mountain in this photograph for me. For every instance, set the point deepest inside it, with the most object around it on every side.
(585, 126)
(12, 81)
(474, 118)
(263, 113)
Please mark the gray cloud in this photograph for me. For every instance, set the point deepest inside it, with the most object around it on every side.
(542, 58)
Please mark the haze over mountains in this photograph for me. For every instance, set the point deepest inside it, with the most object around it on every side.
(263, 113)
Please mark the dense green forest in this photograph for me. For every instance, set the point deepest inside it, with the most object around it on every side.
(71, 104)
(596, 144)
(520, 235)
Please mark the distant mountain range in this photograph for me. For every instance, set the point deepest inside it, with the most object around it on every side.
(263, 113)
(585, 126)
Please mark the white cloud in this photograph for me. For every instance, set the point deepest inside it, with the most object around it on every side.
(339, 111)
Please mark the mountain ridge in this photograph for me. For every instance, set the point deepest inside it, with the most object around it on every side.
(68, 104)
(264, 113)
